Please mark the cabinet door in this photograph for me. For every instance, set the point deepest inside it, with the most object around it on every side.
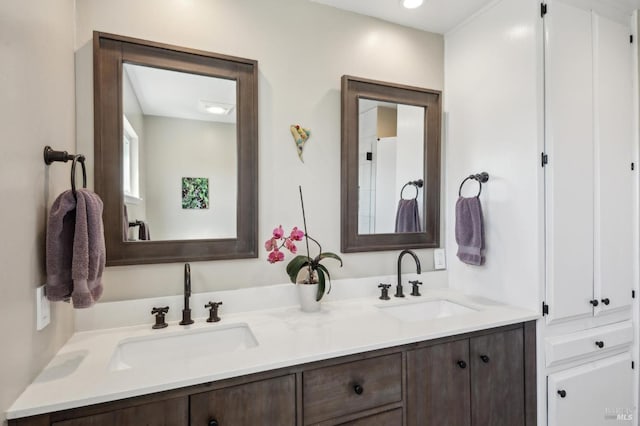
(172, 412)
(614, 196)
(594, 394)
(569, 174)
(438, 389)
(267, 402)
(497, 379)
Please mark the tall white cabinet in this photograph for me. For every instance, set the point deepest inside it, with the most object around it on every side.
(589, 216)
(589, 176)
(544, 102)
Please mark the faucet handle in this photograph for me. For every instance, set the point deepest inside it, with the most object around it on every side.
(160, 313)
(415, 291)
(213, 311)
(384, 291)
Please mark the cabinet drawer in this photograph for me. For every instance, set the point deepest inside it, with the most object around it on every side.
(587, 342)
(388, 418)
(334, 391)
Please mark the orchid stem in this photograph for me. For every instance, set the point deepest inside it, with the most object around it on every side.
(306, 236)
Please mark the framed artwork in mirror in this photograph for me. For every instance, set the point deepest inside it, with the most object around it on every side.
(390, 174)
(163, 115)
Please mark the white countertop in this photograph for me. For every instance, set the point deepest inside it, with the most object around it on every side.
(79, 374)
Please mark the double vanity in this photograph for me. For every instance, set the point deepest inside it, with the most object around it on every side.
(440, 358)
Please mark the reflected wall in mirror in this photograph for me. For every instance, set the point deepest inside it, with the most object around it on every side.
(176, 152)
(178, 126)
(390, 166)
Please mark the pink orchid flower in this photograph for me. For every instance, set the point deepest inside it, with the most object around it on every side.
(296, 234)
(278, 232)
(270, 244)
(276, 256)
(288, 243)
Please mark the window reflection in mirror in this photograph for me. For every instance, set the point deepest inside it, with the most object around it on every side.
(391, 154)
(179, 155)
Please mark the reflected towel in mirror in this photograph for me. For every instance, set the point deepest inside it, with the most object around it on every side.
(408, 216)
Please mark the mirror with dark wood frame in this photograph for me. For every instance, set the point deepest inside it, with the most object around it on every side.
(207, 187)
(390, 170)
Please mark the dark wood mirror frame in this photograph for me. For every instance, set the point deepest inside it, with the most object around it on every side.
(109, 53)
(353, 89)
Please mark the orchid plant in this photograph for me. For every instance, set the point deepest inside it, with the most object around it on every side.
(278, 240)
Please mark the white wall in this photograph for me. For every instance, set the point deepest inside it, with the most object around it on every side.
(493, 114)
(190, 148)
(303, 49)
(36, 109)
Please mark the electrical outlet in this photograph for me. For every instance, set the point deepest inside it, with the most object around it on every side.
(43, 309)
(439, 259)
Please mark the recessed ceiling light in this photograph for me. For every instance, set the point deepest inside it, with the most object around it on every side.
(216, 108)
(411, 4)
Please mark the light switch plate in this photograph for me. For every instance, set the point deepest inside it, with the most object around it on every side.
(439, 260)
(43, 309)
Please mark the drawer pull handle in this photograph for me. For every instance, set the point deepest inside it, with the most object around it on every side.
(600, 344)
(358, 389)
(462, 364)
(562, 393)
(594, 302)
(484, 358)
(606, 301)
(213, 422)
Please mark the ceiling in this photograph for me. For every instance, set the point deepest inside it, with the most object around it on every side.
(175, 94)
(437, 16)
(441, 16)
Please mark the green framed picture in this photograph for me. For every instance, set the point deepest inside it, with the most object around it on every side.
(195, 193)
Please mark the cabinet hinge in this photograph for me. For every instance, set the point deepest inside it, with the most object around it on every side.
(369, 156)
(544, 159)
(633, 365)
(543, 9)
(633, 166)
(545, 309)
(631, 39)
(633, 294)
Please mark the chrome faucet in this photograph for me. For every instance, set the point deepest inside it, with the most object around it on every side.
(186, 312)
(399, 292)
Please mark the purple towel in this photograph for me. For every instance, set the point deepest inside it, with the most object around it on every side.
(75, 249)
(470, 230)
(408, 216)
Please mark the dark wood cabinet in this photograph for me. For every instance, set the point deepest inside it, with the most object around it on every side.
(438, 391)
(338, 390)
(266, 402)
(171, 412)
(475, 381)
(497, 379)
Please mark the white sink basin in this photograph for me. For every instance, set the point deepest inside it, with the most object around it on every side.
(427, 310)
(181, 346)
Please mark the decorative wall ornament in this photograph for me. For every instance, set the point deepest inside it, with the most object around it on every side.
(300, 136)
(195, 193)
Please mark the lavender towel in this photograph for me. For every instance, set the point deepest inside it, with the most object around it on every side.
(75, 249)
(408, 216)
(470, 230)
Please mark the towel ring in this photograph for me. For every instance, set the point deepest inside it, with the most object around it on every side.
(480, 178)
(416, 184)
(78, 158)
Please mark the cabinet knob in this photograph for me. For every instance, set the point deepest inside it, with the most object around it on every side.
(600, 344)
(562, 393)
(358, 389)
(484, 358)
(213, 422)
(606, 301)
(462, 364)
(594, 302)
